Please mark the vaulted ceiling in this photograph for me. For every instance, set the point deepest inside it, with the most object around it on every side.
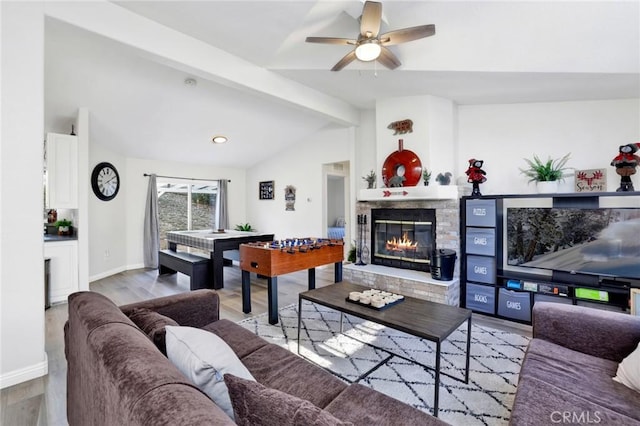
(482, 52)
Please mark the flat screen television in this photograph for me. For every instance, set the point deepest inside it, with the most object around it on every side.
(601, 241)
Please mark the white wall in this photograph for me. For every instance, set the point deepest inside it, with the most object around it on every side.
(107, 219)
(413, 108)
(442, 123)
(301, 167)
(433, 136)
(136, 193)
(84, 192)
(364, 158)
(22, 355)
(116, 226)
(503, 135)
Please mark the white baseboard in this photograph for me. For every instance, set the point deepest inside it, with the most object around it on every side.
(135, 266)
(114, 271)
(59, 299)
(106, 274)
(25, 374)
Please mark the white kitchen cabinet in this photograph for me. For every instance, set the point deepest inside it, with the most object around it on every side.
(62, 171)
(63, 269)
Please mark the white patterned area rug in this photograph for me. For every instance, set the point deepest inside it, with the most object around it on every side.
(496, 357)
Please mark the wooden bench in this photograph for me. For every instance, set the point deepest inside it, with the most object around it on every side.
(228, 256)
(197, 267)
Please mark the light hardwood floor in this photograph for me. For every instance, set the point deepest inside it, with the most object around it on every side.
(42, 401)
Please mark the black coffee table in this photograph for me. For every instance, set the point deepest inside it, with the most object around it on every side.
(421, 318)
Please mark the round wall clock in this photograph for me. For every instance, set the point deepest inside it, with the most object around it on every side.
(105, 181)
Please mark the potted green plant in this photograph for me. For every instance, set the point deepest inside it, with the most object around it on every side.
(371, 179)
(351, 257)
(244, 227)
(64, 227)
(426, 176)
(546, 174)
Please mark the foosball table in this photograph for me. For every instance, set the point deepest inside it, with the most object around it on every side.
(274, 258)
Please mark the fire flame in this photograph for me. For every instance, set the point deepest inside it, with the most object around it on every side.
(403, 243)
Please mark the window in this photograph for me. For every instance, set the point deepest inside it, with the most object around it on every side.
(185, 206)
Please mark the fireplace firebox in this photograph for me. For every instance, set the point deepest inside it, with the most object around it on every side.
(403, 238)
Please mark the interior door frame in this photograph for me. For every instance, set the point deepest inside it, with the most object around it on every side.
(340, 169)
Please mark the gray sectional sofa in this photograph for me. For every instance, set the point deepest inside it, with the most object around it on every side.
(118, 376)
(566, 375)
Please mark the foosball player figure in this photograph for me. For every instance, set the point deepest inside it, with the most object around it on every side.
(625, 163)
(476, 175)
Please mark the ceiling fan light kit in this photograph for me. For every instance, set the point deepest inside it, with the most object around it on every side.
(370, 45)
(369, 50)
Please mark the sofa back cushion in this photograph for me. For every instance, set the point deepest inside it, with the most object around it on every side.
(195, 308)
(115, 375)
(153, 325)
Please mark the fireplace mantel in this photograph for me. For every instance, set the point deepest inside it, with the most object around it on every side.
(432, 192)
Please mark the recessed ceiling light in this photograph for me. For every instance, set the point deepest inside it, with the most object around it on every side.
(191, 82)
(219, 139)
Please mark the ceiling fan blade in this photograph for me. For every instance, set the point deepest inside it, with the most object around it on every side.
(330, 40)
(370, 19)
(388, 59)
(348, 58)
(407, 34)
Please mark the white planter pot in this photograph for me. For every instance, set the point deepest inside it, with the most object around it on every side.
(547, 187)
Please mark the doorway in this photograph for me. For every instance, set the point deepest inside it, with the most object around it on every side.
(337, 206)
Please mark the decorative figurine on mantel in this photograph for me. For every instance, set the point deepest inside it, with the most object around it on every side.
(396, 181)
(444, 179)
(475, 176)
(371, 179)
(625, 163)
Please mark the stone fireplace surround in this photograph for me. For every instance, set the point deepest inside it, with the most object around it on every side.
(413, 283)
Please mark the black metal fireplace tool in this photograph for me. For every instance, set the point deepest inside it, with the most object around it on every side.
(362, 245)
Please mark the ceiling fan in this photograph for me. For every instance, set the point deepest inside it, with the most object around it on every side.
(370, 45)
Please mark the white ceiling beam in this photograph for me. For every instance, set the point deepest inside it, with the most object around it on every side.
(182, 52)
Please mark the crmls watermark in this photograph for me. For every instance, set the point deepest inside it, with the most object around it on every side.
(576, 417)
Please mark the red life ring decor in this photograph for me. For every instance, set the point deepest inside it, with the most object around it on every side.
(401, 168)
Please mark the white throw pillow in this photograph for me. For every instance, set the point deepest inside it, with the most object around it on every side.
(629, 370)
(204, 358)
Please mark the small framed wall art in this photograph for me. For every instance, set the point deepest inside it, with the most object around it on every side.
(265, 190)
(592, 180)
(290, 197)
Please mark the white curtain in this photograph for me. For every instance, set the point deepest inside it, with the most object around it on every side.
(222, 212)
(151, 228)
